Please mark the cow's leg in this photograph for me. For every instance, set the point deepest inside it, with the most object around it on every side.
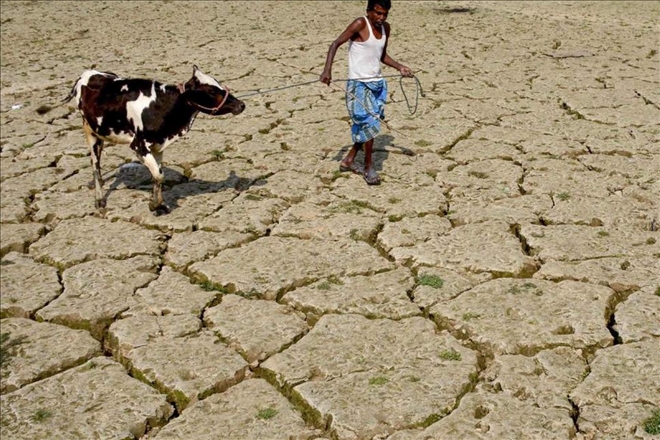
(151, 160)
(95, 150)
(161, 207)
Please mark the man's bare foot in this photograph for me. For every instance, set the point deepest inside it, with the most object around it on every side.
(371, 177)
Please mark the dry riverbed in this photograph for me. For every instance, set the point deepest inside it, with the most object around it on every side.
(502, 283)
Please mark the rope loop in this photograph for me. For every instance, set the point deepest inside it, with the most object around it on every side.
(418, 91)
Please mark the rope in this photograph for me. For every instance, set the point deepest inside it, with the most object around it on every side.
(276, 89)
(411, 109)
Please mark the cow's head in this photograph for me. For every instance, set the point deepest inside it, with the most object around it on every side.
(207, 95)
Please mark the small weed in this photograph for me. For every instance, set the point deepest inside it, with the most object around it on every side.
(431, 280)
(423, 143)
(261, 279)
(324, 286)
(253, 197)
(4, 344)
(266, 413)
(333, 279)
(652, 424)
(652, 53)
(563, 196)
(430, 420)
(478, 174)
(469, 315)
(394, 218)
(338, 175)
(450, 355)
(393, 200)
(657, 291)
(527, 287)
(603, 233)
(218, 154)
(8, 347)
(284, 146)
(650, 240)
(514, 290)
(41, 415)
(414, 379)
(379, 380)
(209, 286)
(352, 207)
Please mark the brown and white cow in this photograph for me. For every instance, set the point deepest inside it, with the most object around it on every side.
(147, 115)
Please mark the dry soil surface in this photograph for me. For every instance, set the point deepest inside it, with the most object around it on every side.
(502, 283)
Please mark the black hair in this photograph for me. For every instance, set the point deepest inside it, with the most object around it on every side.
(385, 4)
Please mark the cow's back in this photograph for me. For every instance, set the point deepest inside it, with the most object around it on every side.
(105, 101)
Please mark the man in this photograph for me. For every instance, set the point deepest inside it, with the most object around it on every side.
(366, 90)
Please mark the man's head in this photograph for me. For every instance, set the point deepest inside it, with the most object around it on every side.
(377, 11)
(385, 4)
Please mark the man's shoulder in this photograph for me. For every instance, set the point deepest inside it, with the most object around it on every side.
(357, 25)
(360, 21)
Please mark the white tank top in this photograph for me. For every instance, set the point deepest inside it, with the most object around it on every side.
(364, 56)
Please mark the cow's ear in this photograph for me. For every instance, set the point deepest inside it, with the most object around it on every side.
(195, 68)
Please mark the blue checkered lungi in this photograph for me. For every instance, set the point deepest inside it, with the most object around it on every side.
(365, 102)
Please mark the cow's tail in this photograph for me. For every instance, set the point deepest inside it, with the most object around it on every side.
(72, 93)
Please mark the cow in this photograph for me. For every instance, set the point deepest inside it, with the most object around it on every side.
(146, 114)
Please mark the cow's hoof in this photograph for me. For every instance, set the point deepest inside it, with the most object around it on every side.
(159, 210)
(100, 204)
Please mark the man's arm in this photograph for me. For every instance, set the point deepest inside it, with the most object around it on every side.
(351, 30)
(388, 61)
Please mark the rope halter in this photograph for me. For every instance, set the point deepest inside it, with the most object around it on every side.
(182, 89)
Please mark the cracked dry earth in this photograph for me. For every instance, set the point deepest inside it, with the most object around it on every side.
(502, 283)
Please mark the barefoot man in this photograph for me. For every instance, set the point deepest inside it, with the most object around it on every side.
(366, 89)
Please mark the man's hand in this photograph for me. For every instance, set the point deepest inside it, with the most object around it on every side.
(326, 77)
(406, 71)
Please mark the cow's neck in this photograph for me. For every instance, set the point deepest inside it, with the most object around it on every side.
(182, 115)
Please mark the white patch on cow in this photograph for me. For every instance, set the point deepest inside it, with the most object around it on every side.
(120, 137)
(163, 88)
(167, 142)
(205, 79)
(124, 88)
(83, 80)
(135, 108)
(99, 121)
(150, 161)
